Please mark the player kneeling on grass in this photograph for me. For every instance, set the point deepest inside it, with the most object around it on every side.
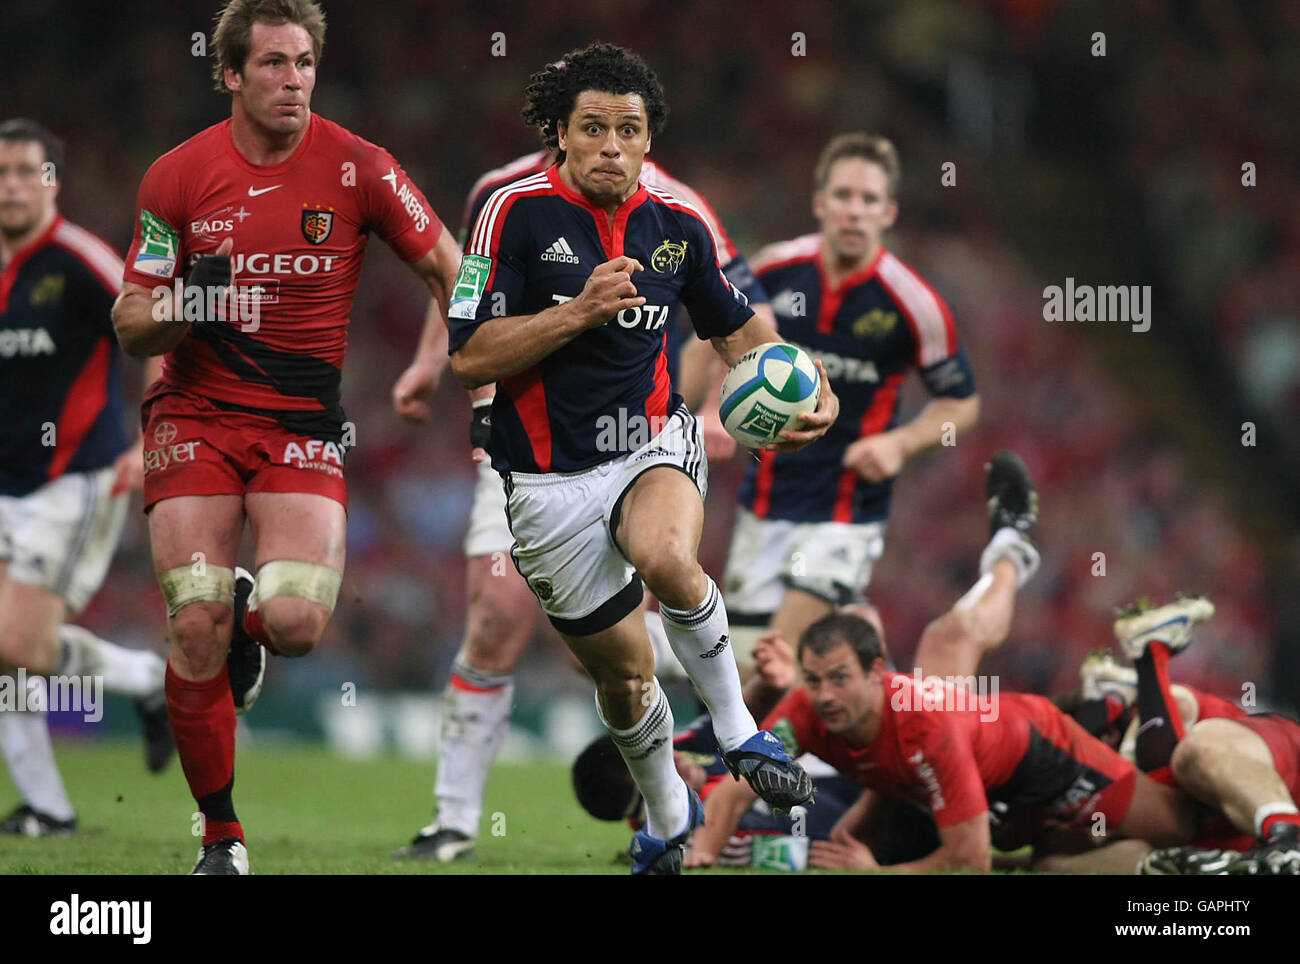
(545, 306)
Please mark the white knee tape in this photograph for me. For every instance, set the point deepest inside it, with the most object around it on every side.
(302, 580)
(197, 583)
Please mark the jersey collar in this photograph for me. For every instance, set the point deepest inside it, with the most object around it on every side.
(270, 170)
(610, 238)
(580, 199)
(863, 274)
(10, 273)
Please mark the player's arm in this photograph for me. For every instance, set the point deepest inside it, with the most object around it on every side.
(757, 330)
(775, 674)
(852, 823)
(412, 391)
(480, 399)
(953, 408)
(698, 372)
(701, 369)
(147, 316)
(501, 347)
(966, 845)
(722, 812)
(143, 323)
(943, 760)
(882, 456)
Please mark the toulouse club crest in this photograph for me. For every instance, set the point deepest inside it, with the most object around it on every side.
(317, 224)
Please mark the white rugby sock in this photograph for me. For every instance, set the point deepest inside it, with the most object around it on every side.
(647, 748)
(701, 641)
(475, 714)
(130, 672)
(1271, 810)
(25, 746)
(1008, 543)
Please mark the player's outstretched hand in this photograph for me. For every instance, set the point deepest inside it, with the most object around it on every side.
(816, 423)
(414, 388)
(774, 661)
(699, 858)
(851, 854)
(128, 470)
(876, 457)
(609, 290)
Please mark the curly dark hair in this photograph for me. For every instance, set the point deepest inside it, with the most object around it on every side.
(553, 90)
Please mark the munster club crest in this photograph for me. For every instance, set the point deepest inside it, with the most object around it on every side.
(317, 224)
(668, 257)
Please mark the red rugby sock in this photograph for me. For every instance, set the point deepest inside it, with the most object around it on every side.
(1270, 823)
(1161, 722)
(203, 724)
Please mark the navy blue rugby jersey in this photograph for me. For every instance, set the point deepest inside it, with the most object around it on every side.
(653, 175)
(60, 367)
(868, 331)
(533, 246)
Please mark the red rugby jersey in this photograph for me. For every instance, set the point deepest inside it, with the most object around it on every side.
(946, 760)
(299, 230)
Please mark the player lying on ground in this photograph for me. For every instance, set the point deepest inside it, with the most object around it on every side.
(895, 831)
(811, 524)
(247, 418)
(66, 473)
(1244, 767)
(1017, 762)
(503, 614)
(577, 349)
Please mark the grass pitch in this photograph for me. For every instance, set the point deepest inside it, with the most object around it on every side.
(307, 811)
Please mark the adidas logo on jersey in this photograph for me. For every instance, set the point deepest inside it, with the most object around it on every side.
(560, 251)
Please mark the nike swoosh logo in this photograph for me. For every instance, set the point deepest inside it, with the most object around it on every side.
(1154, 721)
(255, 192)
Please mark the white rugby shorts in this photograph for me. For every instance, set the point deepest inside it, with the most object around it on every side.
(563, 525)
(830, 560)
(62, 536)
(489, 530)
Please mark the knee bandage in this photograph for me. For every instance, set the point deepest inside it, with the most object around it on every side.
(302, 580)
(198, 583)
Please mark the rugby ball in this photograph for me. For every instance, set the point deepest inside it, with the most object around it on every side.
(765, 390)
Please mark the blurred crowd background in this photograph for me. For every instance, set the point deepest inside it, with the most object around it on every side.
(1149, 143)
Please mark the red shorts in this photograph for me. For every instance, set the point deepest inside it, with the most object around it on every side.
(192, 447)
(1282, 736)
